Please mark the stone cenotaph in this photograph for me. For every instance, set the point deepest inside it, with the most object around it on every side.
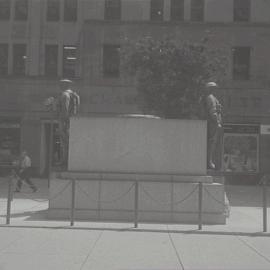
(167, 158)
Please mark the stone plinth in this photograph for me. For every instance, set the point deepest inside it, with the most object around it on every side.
(102, 199)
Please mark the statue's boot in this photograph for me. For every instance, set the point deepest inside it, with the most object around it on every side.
(211, 164)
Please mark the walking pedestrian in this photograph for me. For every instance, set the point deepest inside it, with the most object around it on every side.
(24, 172)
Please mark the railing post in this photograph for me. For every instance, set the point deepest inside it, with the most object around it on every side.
(10, 191)
(264, 186)
(50, 158)
(200, 195)
(136, 204)
(73, 189)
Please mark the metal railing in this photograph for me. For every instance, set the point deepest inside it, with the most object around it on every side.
(137, 189)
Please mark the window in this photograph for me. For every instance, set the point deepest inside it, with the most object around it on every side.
(177, 10)
(241, 147)
(197, 10)
(241, 63)
(241, 10)
(4, 10)
(53, 10)
(51, 63)
(19, 58)
(21, 10)
(69, 61)
(9, 139)
(111, 60)
(3, 59)
(112, 10)
(70, 10)
(157, 10)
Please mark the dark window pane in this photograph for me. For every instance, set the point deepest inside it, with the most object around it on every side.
(111, 60)
(241, 63)
(197, 10)
(69, 61)
(3, 59)
(112, 10)
(19, 58)
(157, 10)
(70, 10)
(177, 10)
(51, 56)
(53, 10)
(4, 10)
(21, 10)
(241, 10)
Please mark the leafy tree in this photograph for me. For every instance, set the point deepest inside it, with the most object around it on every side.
(170, 77)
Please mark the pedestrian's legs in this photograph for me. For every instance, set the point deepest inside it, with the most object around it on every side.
(19, 185)
(30, 183)
(25, 175)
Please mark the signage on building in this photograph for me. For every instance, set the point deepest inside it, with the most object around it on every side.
(242, 128)
(9, 125)
(265, 129)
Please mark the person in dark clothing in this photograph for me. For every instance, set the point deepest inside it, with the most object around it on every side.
(24, 172)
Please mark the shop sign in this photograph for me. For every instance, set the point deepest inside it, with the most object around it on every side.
(242, 129)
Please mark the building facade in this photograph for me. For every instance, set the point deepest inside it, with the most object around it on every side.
(44, 40)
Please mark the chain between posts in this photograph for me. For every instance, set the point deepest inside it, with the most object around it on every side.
(111, 201)
(213, 197)
(169, 203)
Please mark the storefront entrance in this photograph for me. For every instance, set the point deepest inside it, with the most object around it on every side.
(50, 147)
(241, 150)
(10, 133)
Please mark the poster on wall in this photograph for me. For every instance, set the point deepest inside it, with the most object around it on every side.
(240, 149)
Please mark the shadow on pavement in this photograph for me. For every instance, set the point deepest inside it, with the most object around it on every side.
(246, 196)
(132, 229)
(40, 215)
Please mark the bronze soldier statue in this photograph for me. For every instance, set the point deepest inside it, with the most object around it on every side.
(214, 122)
(67, 105)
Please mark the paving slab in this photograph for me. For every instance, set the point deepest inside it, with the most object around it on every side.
(20, 261)
(261, 245)
(216, 252)
(53, 242)
(132, 250)
(7, 238)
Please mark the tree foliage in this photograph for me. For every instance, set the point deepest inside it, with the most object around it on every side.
(170, 77)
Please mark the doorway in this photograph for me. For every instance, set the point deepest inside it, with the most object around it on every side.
(50, 148)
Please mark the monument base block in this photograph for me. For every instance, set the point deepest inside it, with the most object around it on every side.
(161, 198)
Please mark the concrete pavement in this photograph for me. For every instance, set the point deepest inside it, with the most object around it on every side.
(33, 242)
